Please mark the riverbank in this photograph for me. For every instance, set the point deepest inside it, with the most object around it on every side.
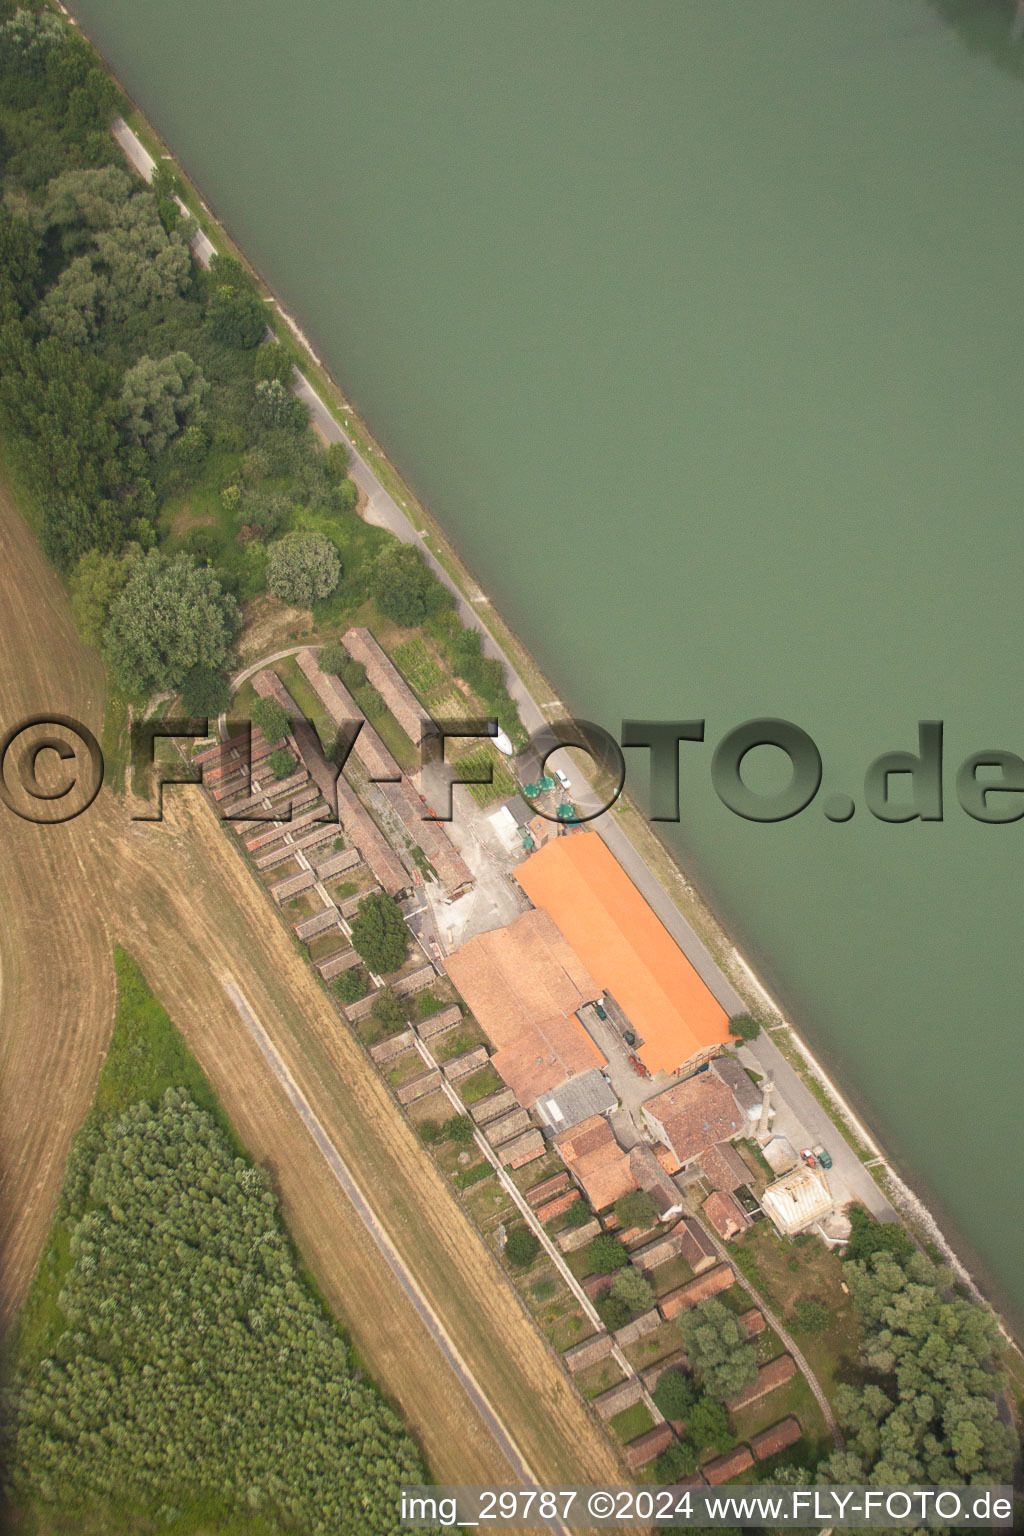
(681, 891)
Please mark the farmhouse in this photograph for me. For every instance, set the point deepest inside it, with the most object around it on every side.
(694, 1115)
(524, 985)
(592, 1154)
(601, 914)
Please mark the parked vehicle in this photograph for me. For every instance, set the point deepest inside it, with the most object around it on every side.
(808, 1157)
(563, 779)
(824, 1158)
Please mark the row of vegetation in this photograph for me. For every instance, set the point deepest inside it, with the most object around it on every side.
(172, 1363)
(173, 473)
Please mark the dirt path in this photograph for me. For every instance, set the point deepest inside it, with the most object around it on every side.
(182, 900)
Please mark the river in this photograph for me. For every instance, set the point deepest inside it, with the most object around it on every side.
(697, 328)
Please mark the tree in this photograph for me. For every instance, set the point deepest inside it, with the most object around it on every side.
(744, 1027)
(274, 406)
(303, 567)
(281, 763)
(631, 1287)
(386, 1011)
(205, 692)
(675, 1394)
(402, 586)
(236, 318)
(379, 934)
(272, 361)
(157, 397)
(613, 1312)
(605, 1254)
(521, 1246)
(97, 580)
(122, 258)
(334, 658)
(707, 1425)
(869, 1236)
(636, 1209)
(170, 616)
(271, 719)
(350, 986)
(717, 1349)
(675, 1462)
(460, 1130)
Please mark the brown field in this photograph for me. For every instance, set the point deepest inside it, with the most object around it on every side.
(180, 898)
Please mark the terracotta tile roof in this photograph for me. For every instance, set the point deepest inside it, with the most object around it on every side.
(524, 984)
(730, 1465)
(592, 1154)
(724, 1214)
(724, 1167)
(695, 1114)
(776, 1438)
(651, 1176)
(634, 957)
(769, 1376)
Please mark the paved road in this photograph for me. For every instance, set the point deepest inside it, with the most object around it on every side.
(764, 1056)
(393, 1258)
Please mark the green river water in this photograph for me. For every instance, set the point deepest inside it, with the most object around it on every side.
(698, 327)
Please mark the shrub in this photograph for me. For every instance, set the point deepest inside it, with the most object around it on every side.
(428, 1003)
(521, 1246)
(811, 1315)
(339, 844)
(544, 1288)
(578, 1214)
(459, 1129)
(606, 1254)
(350, 986)
(636, 1209)
(430, 1131)
(387, 1011)
(280, 763)
(269, 715)
(333, 658)
(613, 1312)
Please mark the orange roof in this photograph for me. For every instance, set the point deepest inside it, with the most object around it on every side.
(603, 916)
(523, 983)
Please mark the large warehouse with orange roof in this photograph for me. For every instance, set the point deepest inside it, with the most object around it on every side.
(600, 913)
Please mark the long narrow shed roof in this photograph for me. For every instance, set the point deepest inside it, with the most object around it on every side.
(600, 912)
